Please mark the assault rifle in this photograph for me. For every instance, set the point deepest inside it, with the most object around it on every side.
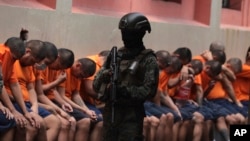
(114, 69)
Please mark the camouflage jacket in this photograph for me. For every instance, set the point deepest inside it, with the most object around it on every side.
(139, 86)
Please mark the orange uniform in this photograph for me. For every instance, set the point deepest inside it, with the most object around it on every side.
(191, 94)
(37, 73)
(242, 83)
(197, 81)
(198, 77)
(199, 57)
(7, 63)
(98, 65)
(48, 76)
(217, 92)
(245, 73)
(163, 80)
(205, 79)
(83, 94)
(71, 84)
(173, 90)
(25, 75)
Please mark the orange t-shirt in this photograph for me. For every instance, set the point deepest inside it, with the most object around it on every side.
(197, 81)
(199, 57)
(217, 92)
(245, 73)
(48, 76)
(172, 91)
(37, 73)
(241, 88)
(163, 80)
(7, 62)
(242, 83)
(71, 84)
(24, 75)
(205, 79)
(82, 92)
(98, 66)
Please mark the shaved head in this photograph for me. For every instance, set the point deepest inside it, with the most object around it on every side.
(216, 45)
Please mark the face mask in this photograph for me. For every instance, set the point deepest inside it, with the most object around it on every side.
(40, 66)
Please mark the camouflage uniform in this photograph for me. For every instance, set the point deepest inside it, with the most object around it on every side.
(132, 91)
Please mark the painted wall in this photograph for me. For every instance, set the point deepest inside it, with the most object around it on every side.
(89, 26)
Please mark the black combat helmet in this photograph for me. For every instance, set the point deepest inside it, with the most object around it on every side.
(134, 22)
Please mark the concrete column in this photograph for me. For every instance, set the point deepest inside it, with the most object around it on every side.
(215, 16)
(245, 12)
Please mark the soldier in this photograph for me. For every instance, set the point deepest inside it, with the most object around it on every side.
(134, 84)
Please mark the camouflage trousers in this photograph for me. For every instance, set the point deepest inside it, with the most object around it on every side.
(127, 125)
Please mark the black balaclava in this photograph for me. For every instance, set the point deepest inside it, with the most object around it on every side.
(132, 39)
(132, 42)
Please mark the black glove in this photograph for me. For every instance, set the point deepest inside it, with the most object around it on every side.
(106, 76)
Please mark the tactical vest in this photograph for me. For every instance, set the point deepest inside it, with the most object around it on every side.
(131, 72)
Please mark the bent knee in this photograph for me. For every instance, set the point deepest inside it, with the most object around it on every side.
(198, 117)
(154, 121)
(83, 123)
(30, 130)
(231, 119)
(170, 116)
(52, 122)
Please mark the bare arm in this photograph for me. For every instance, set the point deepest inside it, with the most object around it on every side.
(61, 91)
(4, 96)
(78, 100)
(33, 97)
(16, 91)
(61, 78)
(19, 118)
(166, 100)
(199, 94)
(227, 85)
(40, 95)
(229, 73)
(46, 101)
(172, 82)
(88, 87)
(6, 100)
(51, 85)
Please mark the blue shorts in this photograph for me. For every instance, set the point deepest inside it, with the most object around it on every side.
(206, 112)
(97, 111)
(148, 114)
(18, 108)
(226, 104)
(187, 110)
(41, 111)
(244, 110)
(156, 110)
(215, 109)
(166, 109)
(5, 123)
(77, 114)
